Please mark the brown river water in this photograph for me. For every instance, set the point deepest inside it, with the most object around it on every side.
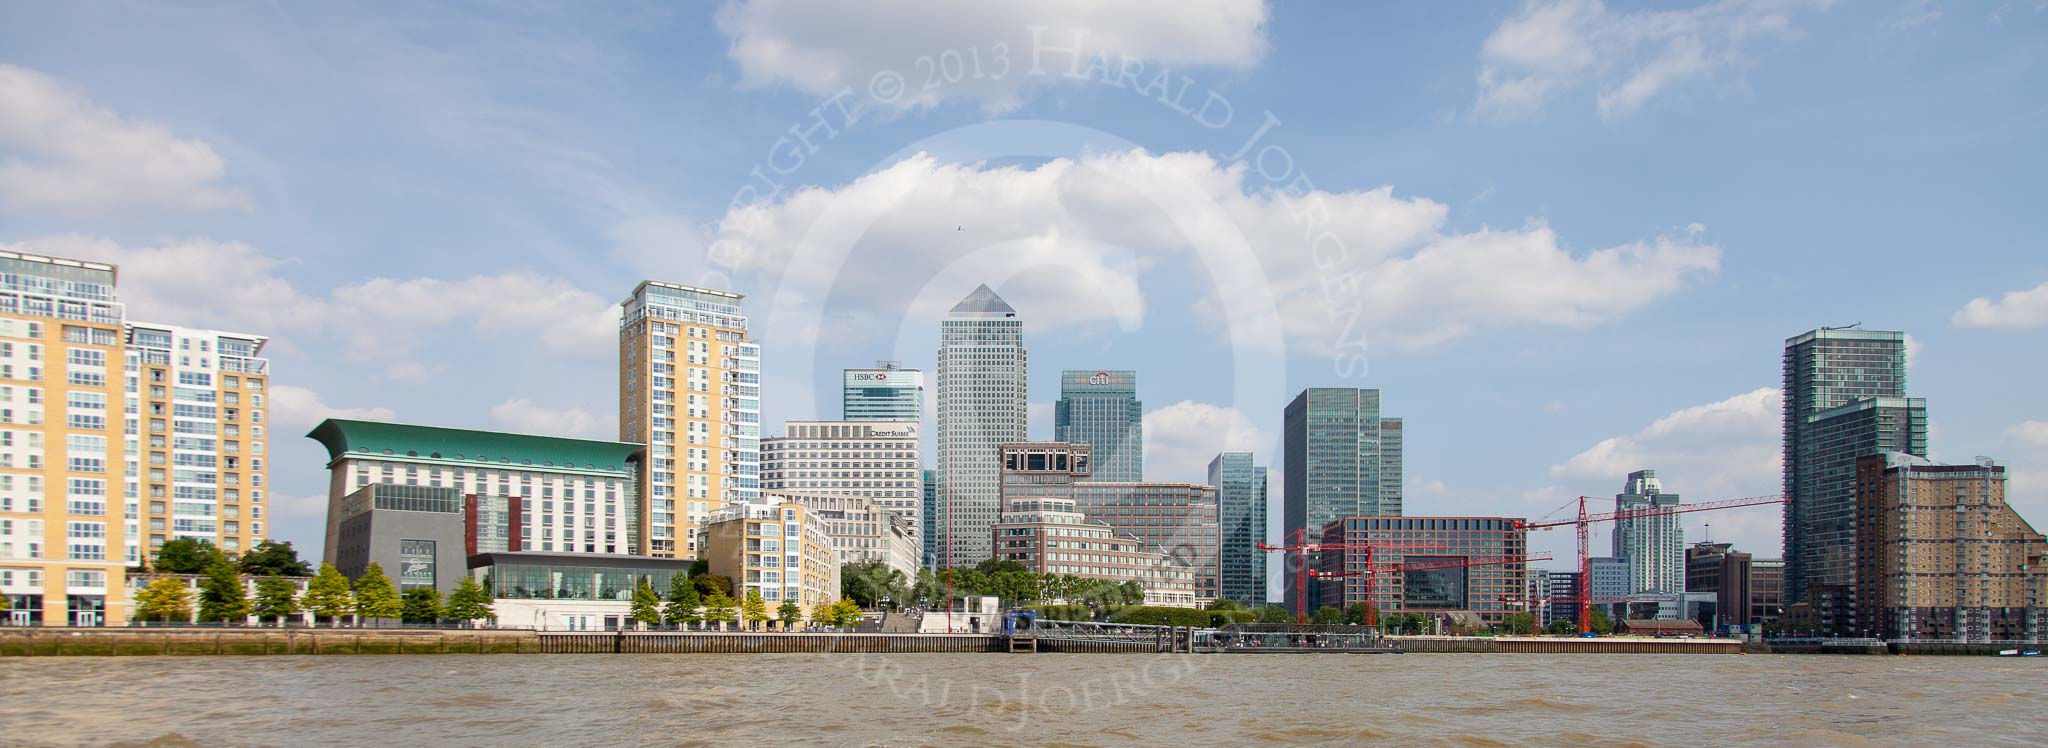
(1046, 699)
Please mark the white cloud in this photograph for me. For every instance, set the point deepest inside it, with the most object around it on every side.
(2026, 464)
(1553, 46)
(983, 51)
(1916, 13)
(1065, 242)
(523, 416)
(382, 320)
(2026, 308)
(297, 409)
(2029, 434)
(60, 151)
(1181, 439)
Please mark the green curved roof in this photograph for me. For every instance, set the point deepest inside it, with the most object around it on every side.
(344, 437)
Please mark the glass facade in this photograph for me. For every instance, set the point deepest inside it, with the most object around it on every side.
(1830, 443)
(1101, 409)
(569, 581)
(981, 407)
(1342, 459)
(1450, 564)
(1823, 370)
(1653, 546)
(416, 564)
(883, 393)
(1176, 519)
(1241, 525)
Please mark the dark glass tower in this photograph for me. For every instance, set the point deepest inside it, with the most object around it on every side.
(1101, 409)
(1844, 397)
(1241, 526)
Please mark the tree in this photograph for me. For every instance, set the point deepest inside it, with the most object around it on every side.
(272, 558)
(683, 602)
(1602, 625)
(376, 597)
(221, 597)
(1224, 603)
(421, 605)
(1358, 613)
(753, 609)
(164, 600)
(328, 596)
(1133, 593)
(871, 582)
(1517, 624)
(469, 602)
(1564, 626)
(1328, 615)
(186, 556)
(276, 599)
(996, 566)
(791, 615)
(848, 612)
(646, 606)
(719, 608)
(710, 583)
(700, 567)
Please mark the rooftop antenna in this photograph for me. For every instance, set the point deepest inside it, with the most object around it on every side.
(1850, 326)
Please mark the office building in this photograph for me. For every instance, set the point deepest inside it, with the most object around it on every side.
(863, 531)
(196, 429)
(1766, 590)
(1826, 369)
(886, 392)
(422, 498)
(1043, 528)
(1654, 544)
(1342, 459)
(1720, 570)
(1241, 525)
(1561, 598)
(1101, 409)
(928, 515)
(1177, 519)
(1472, 569)
(1610, 581)
(876, 460)
(777, 547)
(981, 407)
(1941, 556)
(570, 591)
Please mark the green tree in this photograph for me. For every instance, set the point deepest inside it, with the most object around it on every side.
(1224, 603)
(719, 608)
(1358, 614)
(276, 599)
(646, 606)
(186, 556)
(272, 558)
(1517, 624)
(700, 567)
(469, 602)
(754, 610)
(1563, 626)
(1133, 593)
(1274, 614)
(710, 583)
(221, 597)
(683, 602)
(929, 589)
(376, 596)
(848, 612)
(421, 605)
(164, 600)
(1328, 615)
(791, 615)
(328, 596)
(996, 566)
(1602, 625)
(871, 582)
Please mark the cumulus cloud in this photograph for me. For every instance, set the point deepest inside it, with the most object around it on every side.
(382, 320)
(1181, 439)
(2028, 308)
(60, 151)
(986, 51)
(1553, 46)
(1072, 237)
(523, 416)
(297, 409)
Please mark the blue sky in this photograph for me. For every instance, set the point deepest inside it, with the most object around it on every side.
(1566, 239)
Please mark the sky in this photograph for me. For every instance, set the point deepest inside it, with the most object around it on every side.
(1566, 240)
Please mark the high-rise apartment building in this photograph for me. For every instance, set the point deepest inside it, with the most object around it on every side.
(1101, 409)
(1241, 525)
(875, 460)
(886, 392)
(115, 438)
(1941, 556)
(777, 547)
(1824, 370)
(981, 407)
(690, 389)
(195, 425)
(1653, 545)
(1342, 459)
(1833, 440)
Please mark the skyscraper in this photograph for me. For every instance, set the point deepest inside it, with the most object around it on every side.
(1653, 546)
(1101, 409)
(876, 460)
(689, 389)
(884, 393)
(927, 519)
(1241, 526)
(1825, 370)
(1339, 462)
(216, 479)
(981, 407)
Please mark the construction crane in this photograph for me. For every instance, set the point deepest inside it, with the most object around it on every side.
(1373, 569)
(1585, 521)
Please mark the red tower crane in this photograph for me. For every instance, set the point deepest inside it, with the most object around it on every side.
(1585, 521)
(1374, 568)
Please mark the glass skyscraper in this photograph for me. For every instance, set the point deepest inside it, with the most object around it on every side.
(1241, 525)
(1653, 546)
(1342, 459)
(1827, 373)
(883, 393)
(981, 407)
(1101, 409)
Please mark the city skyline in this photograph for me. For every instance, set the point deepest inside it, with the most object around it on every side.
(505, 248)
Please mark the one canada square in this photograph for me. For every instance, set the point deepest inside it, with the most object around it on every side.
(981, 407)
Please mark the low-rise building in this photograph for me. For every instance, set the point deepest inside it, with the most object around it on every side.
(1042, 527)
(1176, 519)
(777, 547)
(570, 591)
(862, 531)
(1941, 556)
(1460, 567)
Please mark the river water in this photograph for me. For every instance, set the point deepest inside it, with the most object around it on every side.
(999, 699)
